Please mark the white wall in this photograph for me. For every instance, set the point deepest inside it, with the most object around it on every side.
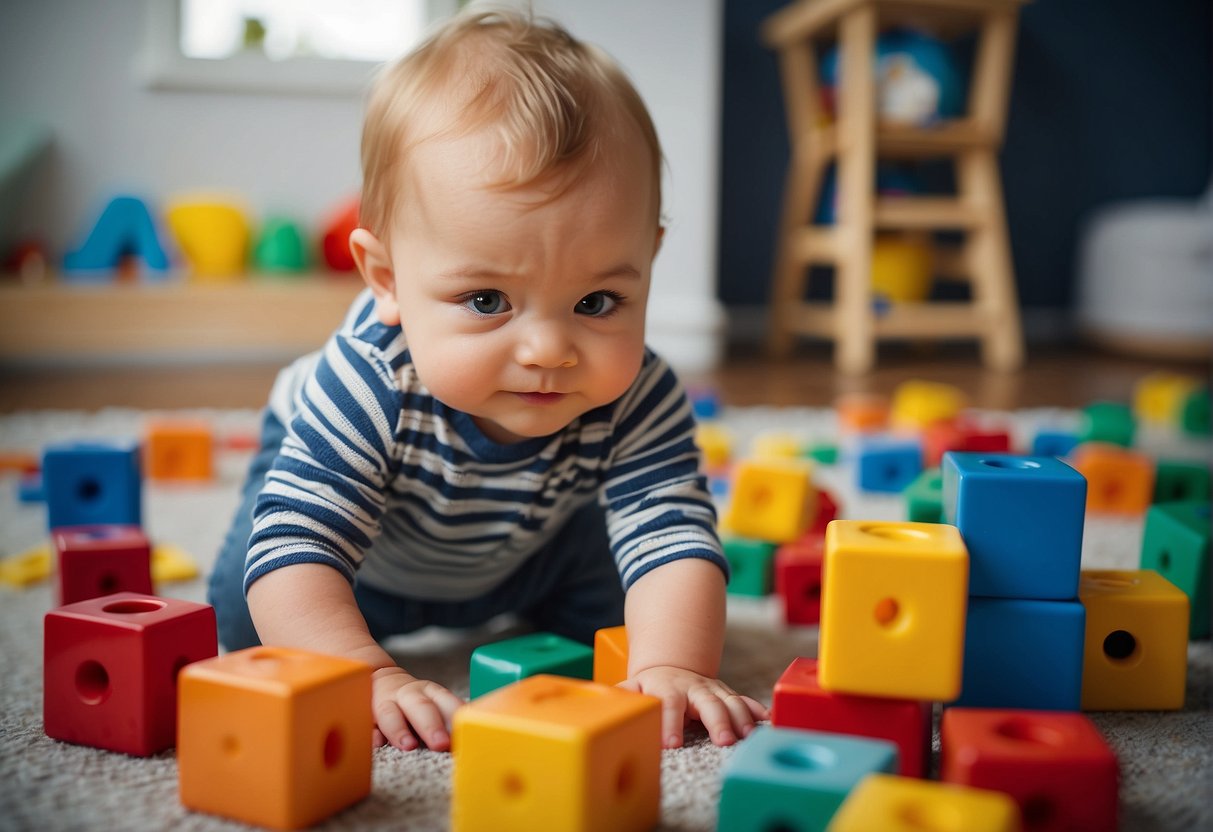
(71, 65)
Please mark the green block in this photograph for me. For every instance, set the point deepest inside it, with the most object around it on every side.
(1107, 422)
(752, 564)
(1180, 480)
(1176, 545)
(1194, 414)
(505, 662)
(924, 497)
(282, 247)
(823, 452)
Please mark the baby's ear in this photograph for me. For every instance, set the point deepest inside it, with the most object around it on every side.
(376, 268)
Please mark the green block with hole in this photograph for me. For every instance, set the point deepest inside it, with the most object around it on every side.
(505, 662)
(1194, 414)
(1108, 422)
(751, 566)
(924, 497)
(1176, 545)
(1180, 480)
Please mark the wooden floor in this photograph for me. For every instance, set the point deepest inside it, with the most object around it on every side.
(1062, 377)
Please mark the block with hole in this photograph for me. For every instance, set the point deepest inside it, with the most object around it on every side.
(1159, 396)
(1135, 657)
(1181, 479)
(1057, 443)
(906, 804)
(917, 404)
(772, 500)
(1176, 545)
(611, 655)
(179, 450)
(501, 663)
(798, 578)
(1110, 422)
(1119, 481)
(92, 482)
(893, 609)
(887, 464)
(924, 497)
(751, 565)
(110, 669)
(860, 413)
(962, 435)
(101, 560)
(1194, 413)
(715, 445)
(274, 736)
(550, 752)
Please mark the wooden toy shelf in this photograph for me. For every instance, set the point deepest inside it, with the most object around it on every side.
(171, 320)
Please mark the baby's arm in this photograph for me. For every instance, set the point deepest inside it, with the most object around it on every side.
(311, 606)
(675, 616)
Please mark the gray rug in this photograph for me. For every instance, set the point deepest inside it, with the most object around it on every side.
(1166, 758)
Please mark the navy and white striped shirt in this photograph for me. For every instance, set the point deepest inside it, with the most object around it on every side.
(376, 475)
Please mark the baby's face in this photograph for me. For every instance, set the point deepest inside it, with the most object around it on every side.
(521, 310)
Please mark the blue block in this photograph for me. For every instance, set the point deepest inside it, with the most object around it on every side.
(888, 465)
(1053, 443)
(30, 490)
(1023, 654)
(795, 780)
(1021, 518)
(124, 229)
(93, 483)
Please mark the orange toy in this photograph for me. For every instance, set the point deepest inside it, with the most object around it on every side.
(611, 655)
(1119, 481)
(179, 449)
(862, 412)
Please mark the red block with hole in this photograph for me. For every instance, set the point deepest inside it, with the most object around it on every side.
(110, 669)
(100, 560)
(827, 511)
(960, 435)
(1056, 765)
(798, 578)
(799, 702)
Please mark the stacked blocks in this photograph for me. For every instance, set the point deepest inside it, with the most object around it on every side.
(110, 670)
(92, 483)
(100, 560)
(1176, 545)
(1119, 481)
(275, 737)
(773, 500)
(903, 804)
(798, 578)
(790, 779)
(1057, 767)
(555, 753)
(1136, 653)
(503, 662)
(179, 450)
(888, 465)
(611, 655)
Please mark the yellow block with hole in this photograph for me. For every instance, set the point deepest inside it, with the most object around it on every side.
(1158, 396)
(917, 404)
(893, 609)
(549, 752)
(273, 736)
(1135, 657)
(771, 499)
(906, 804)
(715, 444)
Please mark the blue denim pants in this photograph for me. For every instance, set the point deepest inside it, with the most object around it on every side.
(571, 587)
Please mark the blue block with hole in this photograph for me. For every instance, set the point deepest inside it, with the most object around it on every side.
(1053, 443)
(793, 779)
(888, 465)
(93, 483)
(1021, 518)
(1022, 653)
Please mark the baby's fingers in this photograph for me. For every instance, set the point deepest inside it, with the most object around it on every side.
(427, 719)
(673, 719)
(716, 718)
(390, 722)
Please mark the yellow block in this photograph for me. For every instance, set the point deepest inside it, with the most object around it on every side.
(917, 404)
(273, 736)
(893, 609)
(772, 500)
(776, 446)
(1158, 397)
(171, 563)
(611, 655)
(554, 753)
(901, 267)
(26, 568)
(213, 237)
(1135, 657)
(715, 443)
(889, 803)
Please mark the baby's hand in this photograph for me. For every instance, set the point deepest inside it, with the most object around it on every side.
(684, 695)
(408, 709)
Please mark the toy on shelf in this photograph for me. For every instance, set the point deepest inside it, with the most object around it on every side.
(335, 236)
(282, 247)
(213, 236)
(124, 233)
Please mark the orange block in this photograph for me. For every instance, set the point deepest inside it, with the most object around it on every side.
(611, 655)
(273, 736)
(19, 462)
(1119, 481)
(862, 412)
(178, 449)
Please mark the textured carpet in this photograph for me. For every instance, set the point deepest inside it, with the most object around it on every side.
(1166, 758)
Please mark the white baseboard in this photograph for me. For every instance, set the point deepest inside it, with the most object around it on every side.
(689, 333)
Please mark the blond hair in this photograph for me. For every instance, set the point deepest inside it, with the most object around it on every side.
(551, 99)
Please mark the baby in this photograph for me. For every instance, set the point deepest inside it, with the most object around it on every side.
(486, 433)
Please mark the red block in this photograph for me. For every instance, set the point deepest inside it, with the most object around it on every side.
(1056, 765)
(958, 435)
(100, 560)
(110, 669)
(827, 511)
(799, 702)
(798, 578)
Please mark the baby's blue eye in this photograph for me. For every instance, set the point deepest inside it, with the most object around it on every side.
(488, 302)
(597, 304)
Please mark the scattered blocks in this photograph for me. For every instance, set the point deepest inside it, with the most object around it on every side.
(772, 500)
(503, 662)
(101, 560)
(888, 465)
(788, 778)
(92, 483)
(274, 737)
(1057, 767)
(557, 753)
(917, 404)
(1176, 545)
(1110, 422)
(751, 565)
(903, 804)
(1119, 481)
(110, 669)
(1176, 480)
(179, 450)
(798, 578)
(611, 655)
(1136, 652)
(924, 497)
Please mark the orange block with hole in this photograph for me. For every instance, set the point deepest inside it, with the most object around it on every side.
(274, 737)
(179, 449)
(549, 752)
(772, 500)
(893, 609)
(1119, 481)
(611, 655)
(862, 412)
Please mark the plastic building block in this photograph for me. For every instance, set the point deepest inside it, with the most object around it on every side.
(21, 463)
(917, 404)
(274, 737)
(1176, 545)
(827, 512)
(1136, 652)
(888, 465)
(776, 446)
(862, 412)
(1119, 481)
(893, 609)
(110, 670)
(1176, 480)
(1056, 766)
(503, 662)
(124, 230)
(1054, 443)
(92, 483)
(1158, 397)
(901, 267)
(282, 247)
(924, 497)
(213, 237)
(101, 560)
(798, 578)
(31, 489)
(788, 778)
(824, 453)
(772, 500)
(1021, 518)
(27, 568)
(959, 435)
(751, 566)
(1194, 415)
(715, 444)
(179, 450)
(798, 701)
(611, 655)
(335, 238)
(1022, 653)
(171, 563)
(904, 804)
(1110, 422)
(557, 753)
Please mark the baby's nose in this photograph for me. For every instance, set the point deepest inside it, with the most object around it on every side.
(547, 344)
